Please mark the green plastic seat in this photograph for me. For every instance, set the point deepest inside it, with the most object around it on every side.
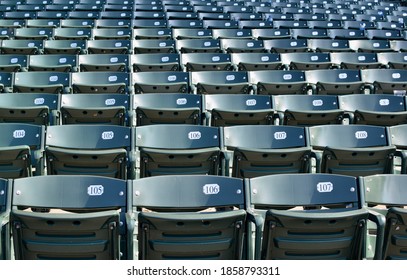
(385, 196)
(109, 46)
(256, 61)
(42, 82)
(53, 63)
(83, 221)
(214, 82)
(21, 150)
(104, 62)
(13, 63)
(237, 109)
(278, 82)
(335, 81)
(258, 150)
(306, 110)
(206, 62)
(306, 217)
(108, 109)
(160, 82)
(178, 149)
(5, 205)
(100, 82)
(178, 228)
(167, 108)
(64, 46)
(78, 149)
(23, 47)
(385, 81)
(147, 62)
(31, 108)
(361, 150)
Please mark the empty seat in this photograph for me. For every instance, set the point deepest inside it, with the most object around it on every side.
(178, 149)
(217, 233)
(306, 61)
(361, 150)
(237, 109)
(110, 109)
(104, 62)
(13, 62)
(198, 45)
(335, 81)
(152, 33)
(77, 23)
(192, 33)
(31, 108)
(395, 60)
(153, 46)
(372, 45)
(113, 23)
(329, 45)
(160, 82)
(311, 33)
(213, 82)
(33, 33)
(77, 149)
(386, 198)
(270, 33)
(374, 109)
(231, 33)
(206, 62)
(112, 34)
(306, 217)
(242, 45)
(6, 81)
(5, 242)
(101, 82)
(64, 46)
(167, 108)
(347, 34)
(53, 63)
(307, 110)
(24, 47)
(21, 150)
(258, 150)
(155, 62)
(286, 45)
(278, 82)
(109, 46)
(387, 81)
(256, 61)
(73, 33)
(84, 222)
(41, 82)
(351, 60)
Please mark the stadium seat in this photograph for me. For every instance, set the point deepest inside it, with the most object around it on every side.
(113, 23)
(22, 148)
(231, 33)
(237, 109)
(109, 109)
(65, 46)
(335, 81)
(329, 45)
(174, 225)
(278, 82)
(160, 82)
(109, 46)
(112, 34)
(185, 23)
(167, 108)
(198, 45)
(153, 46)
(270, 33)
(385, 197)
(155, 62)
(258, 150)
(256, 61)
(352, 60)
(100, 82)
(386, 81)
(152, 33)
(23, 47)
(374, 109)
(13, 63)
(31, 108)
(33, 33)
(194, 33)
(306, 217)
(41, 82)
(84, 221)
(394, 60)
(73, 33)
(310, 33)
(104, 63)
(5, 205)
(306, 61)
(77, 23)
(361, 150)
(372, 45)
(286, 45)
(213, 82)
(238, 45)
(53, 63)
(178, 149)
(307, 110)
(76, 149)
(206, 62)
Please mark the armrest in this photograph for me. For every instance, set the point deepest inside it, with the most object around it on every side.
(380, 222)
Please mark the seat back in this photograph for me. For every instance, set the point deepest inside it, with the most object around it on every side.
(306, 216)
(5, 206)
(87, 226)
(360, 151)
(101, 82)
(167, 108)
(386, 195)
(95, 109)
(335, 81)
(387, 81)
(40, 82)
(258, 150)
(160, 82)
(21, 150)
(178, 149)
(89, 149)
(278, 82)
(104, 62)
(175, 224)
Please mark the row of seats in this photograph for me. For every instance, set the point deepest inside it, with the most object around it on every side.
(76, 44)
(190, 62)
(239, 151)
(286, 216)
(266, 82)
(211, 110)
